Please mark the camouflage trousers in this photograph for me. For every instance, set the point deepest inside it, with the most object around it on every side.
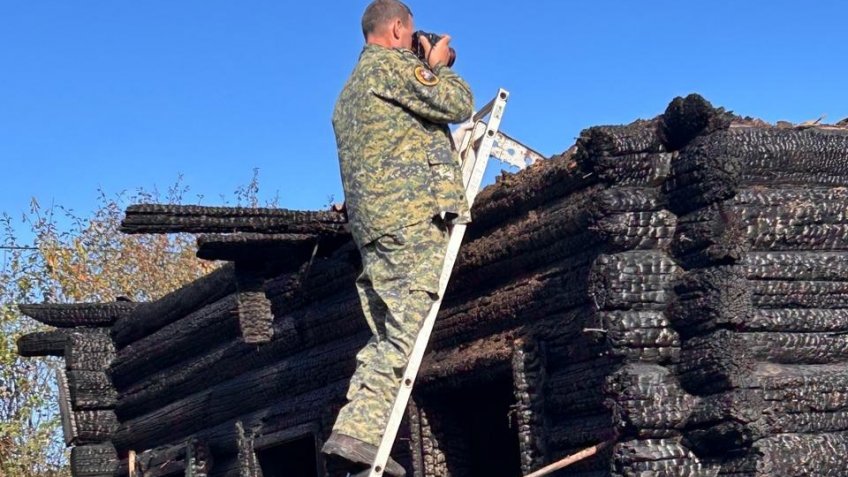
(398, 284)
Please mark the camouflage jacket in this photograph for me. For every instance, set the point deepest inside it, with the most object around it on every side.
(397, 164)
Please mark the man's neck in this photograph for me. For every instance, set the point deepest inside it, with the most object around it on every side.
(380, 41)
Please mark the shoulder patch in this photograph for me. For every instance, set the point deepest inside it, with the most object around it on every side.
(425, 76)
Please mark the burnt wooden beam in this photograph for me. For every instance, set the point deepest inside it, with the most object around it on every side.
(776, 220)
(659, 456)
(88, 352)
(94, 460)
(637, 280)
(292, 249)
(635, 169)
(160, 218)
(91, 390)
(199, 371)
(791, 454)
(254, 309)
(641, 136)
(74, 315)
(647, 400)
(712, 168)
(53, 343)
(43, 343)
(795, 265)
(516, 194)
(302, 373)
(451, 365)
(149, 317)
(711, 298)
(687, 118)
(221, 438)
(94, 427)
(529, 381)
(204, 360)
(169, 345)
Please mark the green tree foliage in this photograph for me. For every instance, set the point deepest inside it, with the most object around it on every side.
(63, 257)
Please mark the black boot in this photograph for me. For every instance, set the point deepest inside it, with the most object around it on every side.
(359, 453)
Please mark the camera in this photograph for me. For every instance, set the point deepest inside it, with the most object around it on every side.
(418, 49)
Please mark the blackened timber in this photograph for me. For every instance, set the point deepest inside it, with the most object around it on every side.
(299, 409)
(724, 359)
(254, 308)
(43, 343)
(88, 352)
(529, 380)
(710, 298)
(524, 191)
(580, 431)
(778, 220)
(459, 363)
(714, 167)
(160, 218)
(798, 320)
(801, 265)
(647, 397)
(687, 118)
(638, 280)
(93, 427)
(91, 390)
(73, 315)
(95, 460)
(288, 249)
(635, 138)
(640, 169)
(149, 317)
(336, 317)
(528, 299)
(791, 454)
(301, 373)
(666, 456)
(176, 341)
(800, 294)
(217, 363)
(559, 229)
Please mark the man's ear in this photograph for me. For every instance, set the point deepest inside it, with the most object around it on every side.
(397, 25)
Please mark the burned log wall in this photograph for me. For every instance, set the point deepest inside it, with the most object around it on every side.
(87, 396)
(761, 303)
(196, 377)
(676, 286)
(612, 374)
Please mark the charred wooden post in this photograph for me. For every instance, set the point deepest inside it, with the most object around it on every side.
(97, 460)
(248, 465)
(254, 308)
(528, 375)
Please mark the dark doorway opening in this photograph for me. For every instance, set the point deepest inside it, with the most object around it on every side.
(475, 429)
(294, 458)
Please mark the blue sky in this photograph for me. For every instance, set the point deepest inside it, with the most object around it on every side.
(126, 94)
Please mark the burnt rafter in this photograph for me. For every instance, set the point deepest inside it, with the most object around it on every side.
(71, 315)
(159, 218)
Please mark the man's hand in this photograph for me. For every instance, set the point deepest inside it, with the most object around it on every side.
(438, 53)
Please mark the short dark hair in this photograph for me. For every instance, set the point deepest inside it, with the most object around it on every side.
(380, 12)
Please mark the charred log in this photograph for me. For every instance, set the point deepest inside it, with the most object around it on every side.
(149, 317)
(78, 314)
(159, 218)
(96, 460)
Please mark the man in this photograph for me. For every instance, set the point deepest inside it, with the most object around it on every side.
(402, 186)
